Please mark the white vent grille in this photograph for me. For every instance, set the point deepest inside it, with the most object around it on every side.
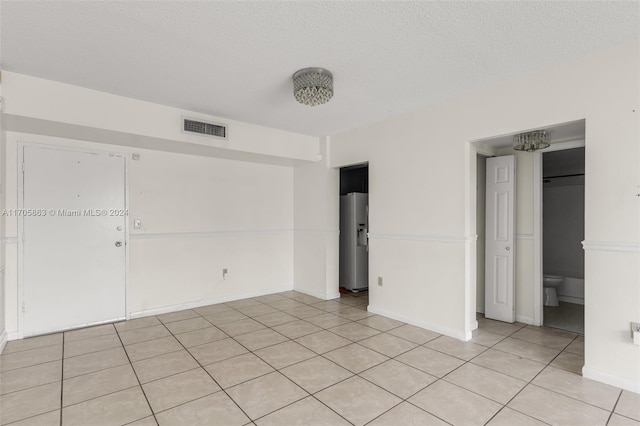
(204, 128)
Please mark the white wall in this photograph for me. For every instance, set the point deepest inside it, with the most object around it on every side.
(316, 218)
(563, 208)
(199, 215)
(3, 331)
(481, 186)
(425, 247)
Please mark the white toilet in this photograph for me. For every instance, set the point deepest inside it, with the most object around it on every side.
(550, 284)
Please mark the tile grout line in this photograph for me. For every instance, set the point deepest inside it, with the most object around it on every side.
(208, 374)
(137, 378)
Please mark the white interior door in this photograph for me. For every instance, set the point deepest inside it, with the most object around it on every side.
(74, 248)
(499, 235)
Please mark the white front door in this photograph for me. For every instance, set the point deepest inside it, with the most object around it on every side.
(499, 234)
(74, 238)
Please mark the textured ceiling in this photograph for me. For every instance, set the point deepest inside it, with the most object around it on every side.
(235, 59)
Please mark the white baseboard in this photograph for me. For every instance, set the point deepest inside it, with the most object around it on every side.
(473, 326)
(317, 294)
(3, 340)
(570, 299)
(523, 319)
(13, 335)
(205, 302)
(457, 334)
(606, 378)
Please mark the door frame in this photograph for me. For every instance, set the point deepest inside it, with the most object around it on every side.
(538, 306)
(63, 145)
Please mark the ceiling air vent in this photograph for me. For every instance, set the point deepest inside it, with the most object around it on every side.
(200, 127)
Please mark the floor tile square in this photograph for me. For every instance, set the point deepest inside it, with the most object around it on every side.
(285, 354)
(85, 333)
(327, 320)
(305, 298)
(296, 329)
(217, 351)
(239, 369)
(352, 398)
(576, 347)
(213, 410)
(355, 358)
(147, 421)
(115, 409)
(175, 390)
(95, 361)
(617, 420)
(406, 414)
(328, 305)
(164, 365)
(183, 326)
(243, 303)
(528, 350)
(456, 348)
(387, 344)
(260, 339)
(144, 334)
(92, 385)
(305, 412)
(485, 338)
(488, 383)
(398, 378)
(629, 405)
(380, 323)
(30, 357)
(177, 316)
(277, 318)
(509, 364)
(303, 312)
(224, 317)
(256, 310)
(553, 408)
(455, 405)
(322, 341)
(354, 331)
(569, 361)
(28, 377)
(244, 326)
(430, 361)
(93, 344)
(265, 394)
(32, 343)
(152, 348)
(541, 338)
(498, 327)
(316, 374)
(200, 337)
(52, 418)
(353, 314)
(414, 334)
(574, 386)
(509, 417)
(136, 323)
(287, 304)
(213, 309)
(29, 402)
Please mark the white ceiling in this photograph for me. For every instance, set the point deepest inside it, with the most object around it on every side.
(235, 59)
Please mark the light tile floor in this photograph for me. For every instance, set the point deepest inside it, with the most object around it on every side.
(291, 359)
(567, 316)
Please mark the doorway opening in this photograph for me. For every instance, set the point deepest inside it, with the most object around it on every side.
(354, 227)
(563, 178)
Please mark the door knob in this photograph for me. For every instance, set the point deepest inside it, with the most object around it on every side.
(118, 243)
(508, 248)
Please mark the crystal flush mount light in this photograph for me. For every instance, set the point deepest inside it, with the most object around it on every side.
(313, 86)
(531, 141)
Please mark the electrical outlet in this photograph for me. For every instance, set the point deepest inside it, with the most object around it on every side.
(137, 223)
(380, 281)
(635, 333)
(225, 271)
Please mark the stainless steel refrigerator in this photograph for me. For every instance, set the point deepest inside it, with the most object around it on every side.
(354, 250)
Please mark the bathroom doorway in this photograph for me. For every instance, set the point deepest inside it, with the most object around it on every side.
(563, 184)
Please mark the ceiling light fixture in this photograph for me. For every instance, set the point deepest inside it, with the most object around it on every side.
(531, 141)
(313, 86)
